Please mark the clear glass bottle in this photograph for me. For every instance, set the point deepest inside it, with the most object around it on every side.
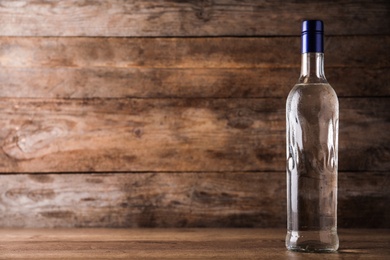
(312, 118)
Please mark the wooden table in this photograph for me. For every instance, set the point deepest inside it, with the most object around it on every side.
(179, 244)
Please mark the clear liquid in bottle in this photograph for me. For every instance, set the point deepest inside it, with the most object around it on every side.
(312, 132)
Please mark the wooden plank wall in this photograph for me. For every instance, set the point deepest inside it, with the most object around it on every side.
(172, 113)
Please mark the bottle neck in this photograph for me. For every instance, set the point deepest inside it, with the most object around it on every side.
(312, 68)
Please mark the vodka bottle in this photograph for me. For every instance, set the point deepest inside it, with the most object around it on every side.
(312, 118)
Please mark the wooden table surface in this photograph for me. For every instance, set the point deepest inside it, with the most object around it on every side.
(179, 244)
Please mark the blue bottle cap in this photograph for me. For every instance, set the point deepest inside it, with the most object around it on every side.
(312, 36)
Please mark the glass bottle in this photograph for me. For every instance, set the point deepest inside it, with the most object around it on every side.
(312, 118)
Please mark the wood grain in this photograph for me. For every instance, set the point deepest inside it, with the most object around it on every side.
(358, 125)
(181, 83)
(171, 114)
(186, 53)
(188, 18)
(235, 199)
(175, 135)
(142, 200)
(205, 67)
(139, 135)
(179, 244)
(363, 200)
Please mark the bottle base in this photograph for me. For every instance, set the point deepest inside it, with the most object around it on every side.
(312, 241)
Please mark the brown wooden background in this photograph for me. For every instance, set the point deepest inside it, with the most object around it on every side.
(172, 113)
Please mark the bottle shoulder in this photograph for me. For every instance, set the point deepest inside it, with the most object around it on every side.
(312, 97)
(313, 90)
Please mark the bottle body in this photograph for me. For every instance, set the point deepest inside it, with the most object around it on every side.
(312, 145)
